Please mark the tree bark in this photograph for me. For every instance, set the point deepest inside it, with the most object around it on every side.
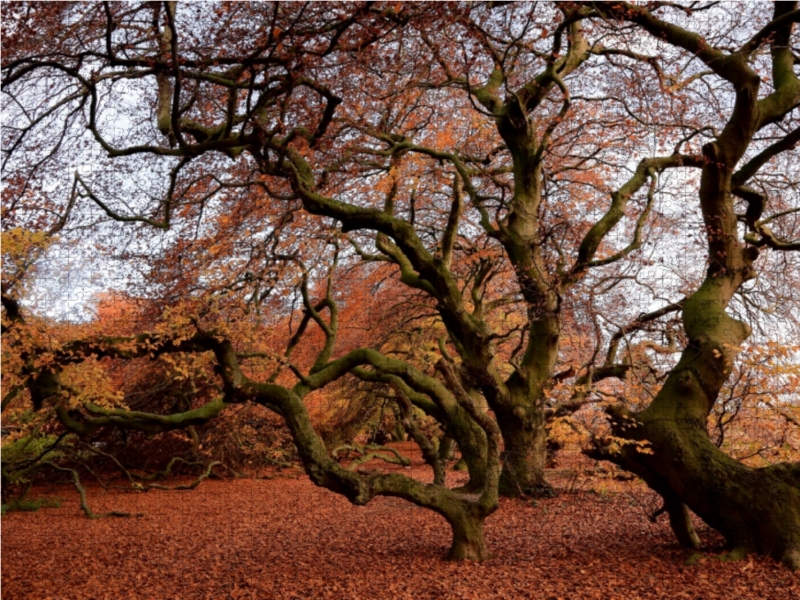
(468, 539)
(446, 447)
(757, 510)
(525, 452)
(472, 446)
(681, 522)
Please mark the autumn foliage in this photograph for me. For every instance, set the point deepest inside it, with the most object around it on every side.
(499, 233)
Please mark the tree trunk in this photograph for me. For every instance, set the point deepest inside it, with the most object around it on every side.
(446, 447)
(468, 538)
(525, 453)
(471, 441)
(520, 414)
(757, 510)
(681, 522)
(473, 460)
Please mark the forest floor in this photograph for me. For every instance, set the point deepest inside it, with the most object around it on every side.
(285, 538)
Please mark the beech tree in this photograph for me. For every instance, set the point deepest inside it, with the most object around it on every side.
(41, 359)
(757, 510)
(496, 160)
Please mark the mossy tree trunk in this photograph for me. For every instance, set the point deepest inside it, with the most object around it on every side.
(469, 542)
(757, 510)
(524, 451)
(447, 447)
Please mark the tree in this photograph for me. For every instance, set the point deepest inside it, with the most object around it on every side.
(470, 151)
(758, 510)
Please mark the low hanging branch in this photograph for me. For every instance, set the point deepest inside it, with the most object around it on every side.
(82, 491)
(190, 486)
(369, 452)
(430, 453)
(167, 470)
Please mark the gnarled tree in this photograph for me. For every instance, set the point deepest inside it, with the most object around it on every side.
(757, 510)
(469, 150)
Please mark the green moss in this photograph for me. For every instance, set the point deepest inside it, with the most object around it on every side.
(30, 505)
(694, 559)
